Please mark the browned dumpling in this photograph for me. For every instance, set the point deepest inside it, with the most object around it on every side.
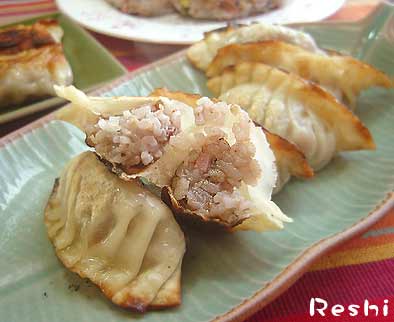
(203, 52)
(293, 108)
(117, 234)
(344, 76)
(31, 62)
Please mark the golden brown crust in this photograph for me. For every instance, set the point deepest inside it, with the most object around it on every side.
(187, 98)
(118, 169)
(186, 217)
(50, 55)
(287, 153)
(365, 135)
(16, 39)
(170, 294)
(271, 52)
(353, 134)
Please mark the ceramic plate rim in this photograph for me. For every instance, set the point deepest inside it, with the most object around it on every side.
(290, 273)
(168, 42)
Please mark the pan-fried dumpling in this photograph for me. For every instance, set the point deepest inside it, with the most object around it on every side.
(117, 234)
(293, 108)
(290, 161)
(202, 53)
(128, 133)
(343, 76)
(31, 62)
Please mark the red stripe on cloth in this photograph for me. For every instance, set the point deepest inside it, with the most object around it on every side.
(26, 4)
(340, 285)
(29, 12)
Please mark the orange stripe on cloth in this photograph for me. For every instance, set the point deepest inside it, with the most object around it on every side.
(386, 221)
(353, 257)
(362, 242)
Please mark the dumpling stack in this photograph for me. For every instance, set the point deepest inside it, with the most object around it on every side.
(209, 158)
(290, 86)
(212, 164)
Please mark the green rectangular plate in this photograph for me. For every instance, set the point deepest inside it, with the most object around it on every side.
(225, 276)
(91, 63)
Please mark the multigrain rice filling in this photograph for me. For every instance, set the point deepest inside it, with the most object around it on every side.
(209, 182)
(138, 136)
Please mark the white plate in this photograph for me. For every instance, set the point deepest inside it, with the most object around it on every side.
(101, 17)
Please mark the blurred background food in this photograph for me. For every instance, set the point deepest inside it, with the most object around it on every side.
(143, 7)
(200, 9)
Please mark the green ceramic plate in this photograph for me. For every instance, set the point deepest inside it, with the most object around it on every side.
(225, 276)
(89, 73)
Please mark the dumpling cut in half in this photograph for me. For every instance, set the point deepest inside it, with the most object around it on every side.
(344, 76)
(227, 173)
(293, 108)
(224, 170)
(128, 133)
(289, 160)
(203, 52)
(117, 234)
(213, 123)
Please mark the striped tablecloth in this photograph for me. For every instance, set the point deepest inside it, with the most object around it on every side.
(360, 269)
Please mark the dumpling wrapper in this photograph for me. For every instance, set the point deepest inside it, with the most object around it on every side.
(203, 52)
(336, 73)
(86, 111)
(293, 108)
(117, 234)
(290, 161)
